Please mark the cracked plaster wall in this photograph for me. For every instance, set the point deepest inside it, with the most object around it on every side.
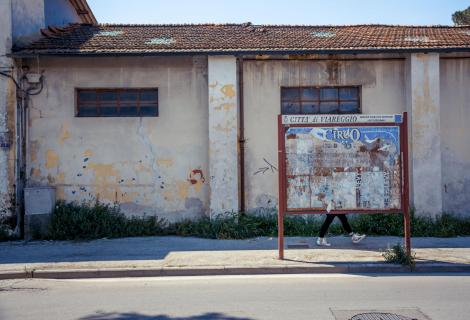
(150, 165)
(223, 134)
(383, 91)
(7, 112)
(455, 145)
(425, 137)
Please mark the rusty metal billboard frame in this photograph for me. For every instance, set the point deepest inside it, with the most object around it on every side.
(404, 178)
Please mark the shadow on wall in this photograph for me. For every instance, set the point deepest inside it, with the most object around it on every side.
(136, 316)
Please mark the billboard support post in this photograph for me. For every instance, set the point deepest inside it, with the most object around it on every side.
(281, 170)
(405, 181)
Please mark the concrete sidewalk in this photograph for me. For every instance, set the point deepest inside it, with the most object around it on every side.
(168, 256)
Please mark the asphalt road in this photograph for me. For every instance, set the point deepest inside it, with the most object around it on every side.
(236, 297)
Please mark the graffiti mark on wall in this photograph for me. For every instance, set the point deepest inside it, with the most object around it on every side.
(196, 176)
(268, 168)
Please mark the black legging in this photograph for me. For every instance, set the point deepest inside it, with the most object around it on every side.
(329, 220)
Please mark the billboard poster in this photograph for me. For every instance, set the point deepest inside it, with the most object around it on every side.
(343, 168)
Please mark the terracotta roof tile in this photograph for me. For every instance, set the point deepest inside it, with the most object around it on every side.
(207, 38)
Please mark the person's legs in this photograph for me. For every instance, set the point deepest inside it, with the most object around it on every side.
(345, 223)
(326, 225)
(355, 237)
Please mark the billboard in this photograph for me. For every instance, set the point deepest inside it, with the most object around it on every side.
(343, 164)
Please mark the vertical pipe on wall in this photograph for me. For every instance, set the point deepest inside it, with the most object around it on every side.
(241, 135)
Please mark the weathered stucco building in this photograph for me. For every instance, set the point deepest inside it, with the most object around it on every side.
(21, 22)
(180, 120)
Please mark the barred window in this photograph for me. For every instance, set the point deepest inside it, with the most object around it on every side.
(320, 100)
(121, 102)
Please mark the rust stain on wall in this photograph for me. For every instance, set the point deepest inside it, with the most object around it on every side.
(64, 133)
(60, 193)
(228, 90)
(35, 173)
(225, 106)
(332, 69)
(182, 189)
(106, 180)
(88, 153)
(165, 162)
(52, 159)
(50, 179)
(33, 150)
(60, 177)
(168, 195)
(225, 130)
(140, 167)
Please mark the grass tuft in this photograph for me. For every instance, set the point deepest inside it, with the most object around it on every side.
(398, 255)
(77, 221)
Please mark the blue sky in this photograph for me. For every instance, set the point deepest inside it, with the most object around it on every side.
(319, 12)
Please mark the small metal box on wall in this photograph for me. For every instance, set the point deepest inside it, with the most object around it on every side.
(39, 205)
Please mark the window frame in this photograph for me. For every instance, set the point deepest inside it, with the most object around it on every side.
(300, 101)
(138, 102)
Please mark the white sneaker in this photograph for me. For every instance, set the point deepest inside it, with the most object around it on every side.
(356, 237)
(322, 242)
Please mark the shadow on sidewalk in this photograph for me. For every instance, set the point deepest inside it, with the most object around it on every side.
(137, 316)
(158, 248)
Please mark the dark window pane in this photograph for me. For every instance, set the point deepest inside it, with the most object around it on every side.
(148, 95)
(86, 95)
(87, 111)
(108, 111)
(349, 107)
(128, 111)
(108, 96)
(309, 94)
(329, 94)
(310, 108)
(290, 108)
(328, 107)
(348, 93)
(290, 93)
(148, 111)
(117, 102)
(129, 96)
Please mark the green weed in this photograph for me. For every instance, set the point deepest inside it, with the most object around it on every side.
(398, 255)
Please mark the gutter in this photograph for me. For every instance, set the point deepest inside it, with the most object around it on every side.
(176, 52)
(84, 12)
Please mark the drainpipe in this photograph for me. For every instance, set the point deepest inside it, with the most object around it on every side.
(22, 94)
(241, 135)
(19, 150)
(19, 165)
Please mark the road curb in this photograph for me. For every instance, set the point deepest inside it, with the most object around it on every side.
(6, 275)
(216, 271)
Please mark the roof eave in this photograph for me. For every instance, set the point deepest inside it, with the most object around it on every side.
(84, 11)
(19, 54)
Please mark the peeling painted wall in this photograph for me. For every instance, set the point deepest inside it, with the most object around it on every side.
(383, 91)
(425, 134)
(223, 134)
(151, 165)
(455, 145)
(185, 162)
(7, 115)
